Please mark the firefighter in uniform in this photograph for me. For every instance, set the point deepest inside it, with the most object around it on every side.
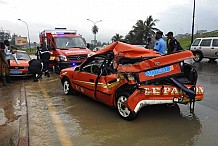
(44, 57)
(35, 67)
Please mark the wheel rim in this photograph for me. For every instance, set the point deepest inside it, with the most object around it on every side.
(66, 87)
(122, 109)
(197, 56)
(57, 69)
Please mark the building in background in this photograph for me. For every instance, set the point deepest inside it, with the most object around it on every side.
(20, 41)
(201, 31)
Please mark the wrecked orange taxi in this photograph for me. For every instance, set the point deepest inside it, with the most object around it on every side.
(128, 78)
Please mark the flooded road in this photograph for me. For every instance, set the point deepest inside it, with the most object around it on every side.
(10, 113)
(57, 119)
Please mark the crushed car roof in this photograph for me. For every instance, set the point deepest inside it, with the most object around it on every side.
(128, 51)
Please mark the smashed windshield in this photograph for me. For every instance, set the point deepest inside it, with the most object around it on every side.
(69, 42)
(20, 56)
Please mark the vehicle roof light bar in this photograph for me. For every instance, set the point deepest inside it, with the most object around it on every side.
(59, 31)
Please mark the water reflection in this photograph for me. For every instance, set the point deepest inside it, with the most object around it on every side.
(154, 125)
(9, 114)
(88, 122)
(206, 67)
(3, 119)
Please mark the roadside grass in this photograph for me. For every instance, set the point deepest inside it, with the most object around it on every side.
(186, 41)
(30, 50)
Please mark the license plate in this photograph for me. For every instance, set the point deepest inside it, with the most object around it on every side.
(14, 72)
(159, 71)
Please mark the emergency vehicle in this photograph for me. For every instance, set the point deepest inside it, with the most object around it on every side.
(66, 47)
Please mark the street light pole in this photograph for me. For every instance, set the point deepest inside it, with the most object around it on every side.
(94, 24)
(193, 23)
(27, 31)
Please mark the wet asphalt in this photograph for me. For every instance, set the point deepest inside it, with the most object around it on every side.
(55, 119)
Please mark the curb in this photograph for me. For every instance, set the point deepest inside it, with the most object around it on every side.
(23, 122)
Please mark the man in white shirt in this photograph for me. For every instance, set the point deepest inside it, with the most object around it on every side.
(8, 54)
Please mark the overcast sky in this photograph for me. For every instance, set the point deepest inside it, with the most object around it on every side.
(118, 16)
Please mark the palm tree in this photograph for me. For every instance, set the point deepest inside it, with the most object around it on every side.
(130, 37)
(95, 31)
(150, 29)
(144, 29)
(117, 37)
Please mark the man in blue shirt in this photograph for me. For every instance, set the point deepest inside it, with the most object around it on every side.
(160, 45)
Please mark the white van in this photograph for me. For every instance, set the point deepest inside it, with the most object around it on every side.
(205, 48)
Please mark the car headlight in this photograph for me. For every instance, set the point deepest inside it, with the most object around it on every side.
(62, 58)
(90, 54)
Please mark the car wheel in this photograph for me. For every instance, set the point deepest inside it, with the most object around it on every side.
(67, 87)
(122, 109)
(57, 69)
(197, 56)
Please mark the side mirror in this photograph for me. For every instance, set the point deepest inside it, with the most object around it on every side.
(88, 45)
(77, 68)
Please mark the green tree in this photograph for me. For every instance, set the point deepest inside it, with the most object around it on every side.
(117, 37)
(95, 31)
(4, 35)
(99, 43)
(104, 44)
(142, 30)
(130, 37)
(150, 28)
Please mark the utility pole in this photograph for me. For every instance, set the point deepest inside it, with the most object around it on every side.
(94, 24)
(193, 23)
(27, 31)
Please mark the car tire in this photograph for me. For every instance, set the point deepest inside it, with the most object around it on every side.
(123, 110)
(197, 56)
(68, 90)
(57, 69)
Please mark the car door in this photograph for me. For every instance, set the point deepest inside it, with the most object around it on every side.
(107, 82)
(205, 47)
(85, 83)
(106, 88)
(84, 79)
(195, 44)
(214, 48)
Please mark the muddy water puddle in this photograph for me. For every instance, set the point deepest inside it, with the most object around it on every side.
(82, 121)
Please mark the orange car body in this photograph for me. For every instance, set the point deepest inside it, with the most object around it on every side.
(19, 66)
(145, 75)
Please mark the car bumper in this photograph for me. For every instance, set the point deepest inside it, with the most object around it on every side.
(63, 65)
(150, 95)
(19, 72)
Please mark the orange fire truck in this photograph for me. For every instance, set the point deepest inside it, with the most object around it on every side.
(66, 47)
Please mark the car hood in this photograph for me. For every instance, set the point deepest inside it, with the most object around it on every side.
(128, 51)
(74, 51)
(22, 63)
(66, 70)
